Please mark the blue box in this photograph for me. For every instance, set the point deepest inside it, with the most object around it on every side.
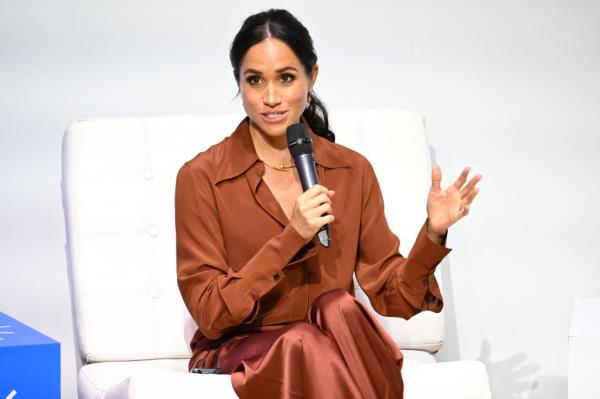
(29, 362)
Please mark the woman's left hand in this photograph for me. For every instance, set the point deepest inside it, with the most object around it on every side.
(446, 207)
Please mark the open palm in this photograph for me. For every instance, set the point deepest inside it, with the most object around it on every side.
(446, 207)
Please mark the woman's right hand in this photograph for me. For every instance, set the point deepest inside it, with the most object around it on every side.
(312, 211)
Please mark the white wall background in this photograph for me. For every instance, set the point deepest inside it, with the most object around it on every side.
(511, 88)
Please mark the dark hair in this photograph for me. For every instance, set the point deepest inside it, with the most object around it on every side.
(282, 25)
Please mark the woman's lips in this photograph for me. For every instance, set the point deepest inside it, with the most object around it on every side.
(273, 117)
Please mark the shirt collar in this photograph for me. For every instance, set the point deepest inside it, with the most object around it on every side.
(240, 154)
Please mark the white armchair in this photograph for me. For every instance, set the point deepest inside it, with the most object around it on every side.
(131, 325)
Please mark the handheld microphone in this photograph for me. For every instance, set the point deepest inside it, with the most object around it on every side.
(301, 148)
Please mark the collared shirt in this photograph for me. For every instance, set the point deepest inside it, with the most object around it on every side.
(242, 266)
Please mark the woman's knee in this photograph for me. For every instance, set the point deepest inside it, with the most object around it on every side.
(300, 333)
(308, 339)
(337, 300)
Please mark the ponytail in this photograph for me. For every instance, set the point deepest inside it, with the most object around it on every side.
(317, 117)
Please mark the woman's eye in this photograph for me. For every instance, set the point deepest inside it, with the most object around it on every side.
(253, 80)
(287, 78)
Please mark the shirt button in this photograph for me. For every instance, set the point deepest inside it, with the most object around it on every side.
(276, 277)
(425, 282)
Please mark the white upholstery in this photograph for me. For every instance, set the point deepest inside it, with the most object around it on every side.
(423, 378)
(150, 379)
(118, 189)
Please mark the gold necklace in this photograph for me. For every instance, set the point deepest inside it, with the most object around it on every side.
(282, 167)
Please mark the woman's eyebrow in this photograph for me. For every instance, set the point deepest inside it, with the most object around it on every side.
(286, 69)
(253, 71)
(256, 72)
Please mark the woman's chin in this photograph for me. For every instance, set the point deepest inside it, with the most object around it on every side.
(273, 130)
(269, 131)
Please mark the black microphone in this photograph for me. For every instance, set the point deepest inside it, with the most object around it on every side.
(301, 148)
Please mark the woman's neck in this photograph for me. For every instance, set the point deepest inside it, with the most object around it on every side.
(273, 150)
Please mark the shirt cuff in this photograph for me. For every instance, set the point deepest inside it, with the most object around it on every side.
(265, 270)
(424, 256)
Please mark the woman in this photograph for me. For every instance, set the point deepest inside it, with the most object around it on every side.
(274, 308)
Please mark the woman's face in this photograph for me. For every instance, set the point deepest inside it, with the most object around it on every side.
(274, 87)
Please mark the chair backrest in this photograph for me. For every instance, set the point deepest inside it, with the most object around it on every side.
(395, 142)
(118, 194)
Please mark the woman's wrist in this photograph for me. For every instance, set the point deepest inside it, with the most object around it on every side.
(438, 238)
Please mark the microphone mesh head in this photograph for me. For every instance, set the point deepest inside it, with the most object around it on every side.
(298, 140)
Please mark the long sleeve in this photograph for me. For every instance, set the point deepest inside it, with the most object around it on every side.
(217, 296)
(396, 286)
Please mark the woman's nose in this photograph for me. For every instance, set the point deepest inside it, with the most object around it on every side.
(271, 96)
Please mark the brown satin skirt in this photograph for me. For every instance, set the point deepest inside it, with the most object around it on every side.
(339, 351)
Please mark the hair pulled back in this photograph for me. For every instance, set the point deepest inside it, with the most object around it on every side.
(282, 25)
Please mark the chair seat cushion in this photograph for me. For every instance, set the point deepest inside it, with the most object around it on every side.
(149, 379)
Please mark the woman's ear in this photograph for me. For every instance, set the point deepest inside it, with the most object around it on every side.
(237, 80)
(313, 76)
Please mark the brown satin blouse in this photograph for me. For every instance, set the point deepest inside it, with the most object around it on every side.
(242, 266)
